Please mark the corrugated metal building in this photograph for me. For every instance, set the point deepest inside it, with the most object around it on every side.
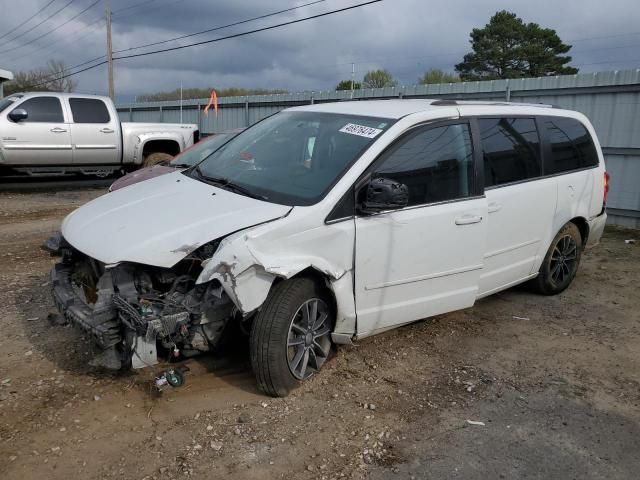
(610, 99)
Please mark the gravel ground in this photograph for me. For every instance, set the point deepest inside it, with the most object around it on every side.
(519, 386)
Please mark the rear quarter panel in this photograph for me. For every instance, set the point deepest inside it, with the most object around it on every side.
(580, 193)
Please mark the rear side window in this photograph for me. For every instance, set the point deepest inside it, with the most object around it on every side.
(572, 147)
(510, 149)
(435, 163)
(43, 110)
(89, 110)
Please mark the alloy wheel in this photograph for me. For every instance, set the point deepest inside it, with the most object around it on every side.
(309, 342)
(562, 263)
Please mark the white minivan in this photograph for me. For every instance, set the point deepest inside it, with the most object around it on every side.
(327, 223)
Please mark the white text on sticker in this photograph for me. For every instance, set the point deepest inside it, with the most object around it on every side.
(360, 130)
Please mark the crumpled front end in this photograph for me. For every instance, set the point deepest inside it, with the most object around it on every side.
(135, 312)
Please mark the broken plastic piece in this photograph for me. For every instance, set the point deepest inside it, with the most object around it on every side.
(173, 377)
(475, 422)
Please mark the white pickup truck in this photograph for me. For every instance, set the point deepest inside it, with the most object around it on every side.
(46, 133)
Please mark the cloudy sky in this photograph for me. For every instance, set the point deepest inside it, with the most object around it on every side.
(405, 36)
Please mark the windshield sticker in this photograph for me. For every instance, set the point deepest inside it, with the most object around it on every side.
(360, 130)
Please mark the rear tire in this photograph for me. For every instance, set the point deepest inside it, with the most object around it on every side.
(291, 336)
(560, 264)
(157, 158)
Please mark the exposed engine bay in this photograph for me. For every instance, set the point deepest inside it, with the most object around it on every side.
(137, 312)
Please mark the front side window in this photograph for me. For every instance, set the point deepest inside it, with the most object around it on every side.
(43, 110)
(291, 158)
(510, 149)
(89, 110)
(8, 101)
(436, 164)
(572, 147)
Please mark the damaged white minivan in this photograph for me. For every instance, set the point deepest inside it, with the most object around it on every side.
(328, 223)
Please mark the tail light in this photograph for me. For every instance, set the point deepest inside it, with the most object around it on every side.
(606, 188)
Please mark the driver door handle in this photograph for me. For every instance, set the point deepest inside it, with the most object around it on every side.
(468, 219)
(107, 130)
(58, 130)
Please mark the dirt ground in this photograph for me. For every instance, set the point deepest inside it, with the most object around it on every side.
(554, 381)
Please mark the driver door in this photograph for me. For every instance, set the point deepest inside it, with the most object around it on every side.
(42, 138)
(424, 259)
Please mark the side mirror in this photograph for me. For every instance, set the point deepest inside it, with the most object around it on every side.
(384, 194)
(18, 115)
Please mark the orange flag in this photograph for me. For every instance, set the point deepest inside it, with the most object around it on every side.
(213, 100)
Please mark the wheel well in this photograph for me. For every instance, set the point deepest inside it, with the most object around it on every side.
(320, 278)
(161, 146)
(583, 226)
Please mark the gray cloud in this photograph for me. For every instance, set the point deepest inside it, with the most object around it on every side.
(405, 36)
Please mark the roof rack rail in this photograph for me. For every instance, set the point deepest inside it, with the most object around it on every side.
(448, 102)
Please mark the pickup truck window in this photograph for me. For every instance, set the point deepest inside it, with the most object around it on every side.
(87, 110)
(43, 110)
(6, 102)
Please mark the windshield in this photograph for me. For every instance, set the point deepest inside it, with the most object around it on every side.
(201, 150)
(5, 102)
(292, 158)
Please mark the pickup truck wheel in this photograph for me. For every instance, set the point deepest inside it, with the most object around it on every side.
(291, 336)
(157, 158)
(561, 262)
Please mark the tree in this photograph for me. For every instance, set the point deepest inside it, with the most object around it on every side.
(378, 79)
(346, 85)
(48, 79)
(509, 48)
(435, 75)
(197, 93)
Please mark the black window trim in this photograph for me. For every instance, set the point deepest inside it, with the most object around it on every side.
(547, 151)
(541, 145)
(545, 146)
(480, 189)
(476, 191)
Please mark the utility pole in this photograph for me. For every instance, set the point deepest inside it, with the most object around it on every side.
(353, 74)
(109, 48)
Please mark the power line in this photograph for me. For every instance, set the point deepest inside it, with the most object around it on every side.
(222, 26)
(28, 19)
(53, 29)
(36, 26)
(210, 30)
(241, 34)
(135, 5)
(116, 13)
(66, 39)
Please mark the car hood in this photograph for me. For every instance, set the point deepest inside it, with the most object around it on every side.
(160, 221)
(140, 175)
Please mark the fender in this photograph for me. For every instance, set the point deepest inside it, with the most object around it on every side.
(248, 262)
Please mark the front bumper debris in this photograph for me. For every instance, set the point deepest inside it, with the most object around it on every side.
(134, 312)
(99, 321)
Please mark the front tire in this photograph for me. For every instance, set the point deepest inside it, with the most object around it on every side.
(560, 264)
(291, 336)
